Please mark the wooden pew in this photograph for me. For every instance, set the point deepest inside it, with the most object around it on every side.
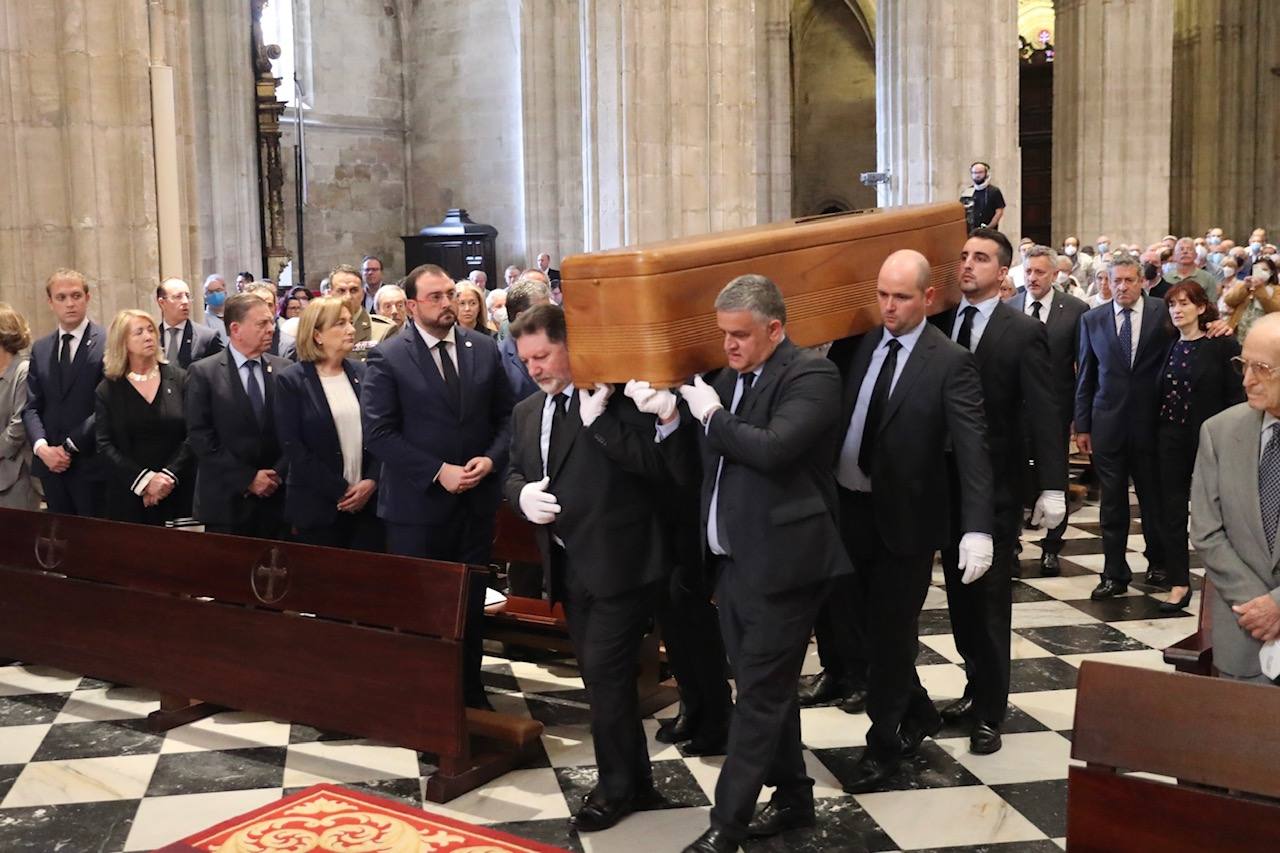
(532, 622)
(1203, 731)
(365, 644)
(1194, 654)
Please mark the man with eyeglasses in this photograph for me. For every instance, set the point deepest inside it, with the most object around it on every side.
(437, 413)
(183, 341)
(1235, 512)
(371, 273)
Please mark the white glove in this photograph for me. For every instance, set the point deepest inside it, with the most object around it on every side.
(651, 400)
(975, 555)
(537, 504)
(702, 399)
(1050, 509)
(591, 403)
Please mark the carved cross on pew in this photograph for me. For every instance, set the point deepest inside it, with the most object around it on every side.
(270, 572)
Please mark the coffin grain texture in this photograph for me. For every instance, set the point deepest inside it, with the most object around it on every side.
(646, 311)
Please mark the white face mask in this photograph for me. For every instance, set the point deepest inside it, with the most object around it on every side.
(1228, 272)
(1069, 250)
(1062, 277)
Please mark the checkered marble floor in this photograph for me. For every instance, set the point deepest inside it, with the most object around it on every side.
(80, 772)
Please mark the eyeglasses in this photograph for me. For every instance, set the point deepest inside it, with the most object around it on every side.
(1259, 368)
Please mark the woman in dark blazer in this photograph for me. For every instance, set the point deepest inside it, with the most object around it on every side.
(332, 478)
(1196, 383)
(140, 426)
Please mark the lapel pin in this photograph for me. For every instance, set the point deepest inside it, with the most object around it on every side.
(467, 344)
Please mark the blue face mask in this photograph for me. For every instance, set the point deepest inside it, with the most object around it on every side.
(1169, 268)
(1216, 257)
(1255, 247)
(215, 299)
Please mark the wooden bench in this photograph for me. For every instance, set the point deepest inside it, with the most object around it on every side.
(1202, 731)
(365, 644)
(1194, 654)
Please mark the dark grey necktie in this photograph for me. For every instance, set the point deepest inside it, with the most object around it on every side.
(1269, 485)
(1126, 334)
(171, 350)
(254, 389)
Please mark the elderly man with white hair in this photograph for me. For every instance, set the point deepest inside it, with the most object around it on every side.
(480, 279)
(215, 296)
(388, 306)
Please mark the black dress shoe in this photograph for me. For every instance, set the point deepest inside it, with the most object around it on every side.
(1108, 589)
(856, 702)
(985, 739)
(678, 729)
(1049, 566)
(912, 734)
(957, 710)
(1176, 606)
(707, 743)
(870, 774)
(773, 819)
(598, 814)
(712, 841)
(822, 688)
(1157, 578)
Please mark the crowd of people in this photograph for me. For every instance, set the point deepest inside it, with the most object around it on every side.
(804, 492)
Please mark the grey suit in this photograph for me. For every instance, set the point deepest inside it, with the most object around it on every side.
(17, 489)
(1226, 530)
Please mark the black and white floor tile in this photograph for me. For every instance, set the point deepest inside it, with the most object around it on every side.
(80, 772)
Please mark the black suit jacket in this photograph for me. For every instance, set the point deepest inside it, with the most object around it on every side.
(1215, 385)
(198, 341)
(777, 488)
(608, 483)
(61, 407)
(936, 402)
(1017, 395)
(411, 425)
(1062, 326)
(230, 445)
(1113, 398)
(309, 440)
(127, 453)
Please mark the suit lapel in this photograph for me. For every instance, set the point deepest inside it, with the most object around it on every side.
(916, 361)
(997, 325)
(561, 445)
(1113, 337)
(1152, 309)
(466, 366)
(315, 390)
(427, 364)
(184, 349)
(533, 435)
(82, 355)
(55, 372)
(773, 368)
(232, 376)
(1243, 469)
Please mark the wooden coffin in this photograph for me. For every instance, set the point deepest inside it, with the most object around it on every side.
(646, 311)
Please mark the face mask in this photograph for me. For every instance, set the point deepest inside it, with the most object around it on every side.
(1261, 276)
(1255, 247)
(1201, 251)
(1150, 272)
(1102, 248)
(1213, 241)
(1069, 250)
(215, 299)
(1228, 272)
(1062, 277)
(1169, 268)
(500, 315)
(1216, 257)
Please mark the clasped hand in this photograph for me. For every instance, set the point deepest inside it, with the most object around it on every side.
(459, 478)
(1260, 617)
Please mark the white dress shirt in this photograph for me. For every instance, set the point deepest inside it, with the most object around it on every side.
(243, 372)
(979, 320)
(848, 473)
(564, 398)
(1135, 324)
(432, 341)
(713, 533)
(1046, 302)
(345, 408)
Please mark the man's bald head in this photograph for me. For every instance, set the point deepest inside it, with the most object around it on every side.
(903, 291)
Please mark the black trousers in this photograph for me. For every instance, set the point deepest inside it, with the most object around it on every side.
(74, 492)
(890, 590)
(841, 647)
(695, 650)
(982, 612)
(1135, 457)
(606, 634)
(465, 537)
(766, 637)
(1176, 445)
(358, 531)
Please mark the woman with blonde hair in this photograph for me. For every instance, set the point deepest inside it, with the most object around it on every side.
(473, 314)
(332, 478)
(17, 488)
(141, 426)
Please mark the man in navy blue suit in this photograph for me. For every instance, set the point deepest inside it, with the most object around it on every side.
(66, 367)
(437, 414)
(526, 293)
(1123, 344)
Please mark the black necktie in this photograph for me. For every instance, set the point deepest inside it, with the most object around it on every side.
(748, 380)
(64, 354)
(557, 444)
(1126, 335)
(254, 389)
(875, 408)
(966, 327)
(450, 374)
(1035, 310)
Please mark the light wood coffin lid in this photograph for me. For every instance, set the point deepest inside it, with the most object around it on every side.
(645, 312)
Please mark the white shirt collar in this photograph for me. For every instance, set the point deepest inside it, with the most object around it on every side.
(985, 307)
(1046, 300)
(907, 339)
(1137, 306)
(240, 358)
(567, 391)
(1267, 420)
(432, 340)
(165, 326)
(78, 332)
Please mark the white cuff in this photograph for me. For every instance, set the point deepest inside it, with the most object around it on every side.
(140, 483)
(40, 442)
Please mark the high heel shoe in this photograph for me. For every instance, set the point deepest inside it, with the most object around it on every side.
(1176, 606)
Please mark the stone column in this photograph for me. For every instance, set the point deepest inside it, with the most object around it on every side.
(947, 81)
(1112, 87)
(76, 137)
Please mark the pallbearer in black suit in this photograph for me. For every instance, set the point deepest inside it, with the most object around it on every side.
(768, 517)
(230, 397)
(588, 469)
(332, 477)
(909, 392)
(437, 415)
(1012, 351)
(66, 367)
(141, 428)
(1060, 313)
(181, 340)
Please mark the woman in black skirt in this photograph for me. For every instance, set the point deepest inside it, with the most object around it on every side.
(141, 430)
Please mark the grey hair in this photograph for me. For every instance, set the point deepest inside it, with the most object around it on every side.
(1125, 261)
(522, 295)
(385, 291)
(756, 294)
(212, 277)
(1038, 251)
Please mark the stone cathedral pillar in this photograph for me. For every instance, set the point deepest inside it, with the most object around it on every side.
(1112, 83)
(947, 81)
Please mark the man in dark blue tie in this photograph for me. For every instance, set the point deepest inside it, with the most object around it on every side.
(1123, 344)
